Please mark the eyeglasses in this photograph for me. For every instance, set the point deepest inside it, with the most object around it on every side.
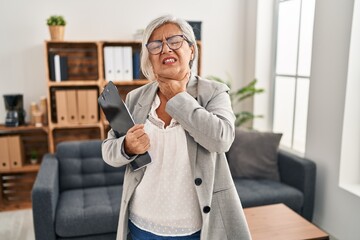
(174, 43)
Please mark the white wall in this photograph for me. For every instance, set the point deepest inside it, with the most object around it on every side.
(336, 210)
(23, 31)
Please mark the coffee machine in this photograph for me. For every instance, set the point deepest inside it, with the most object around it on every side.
(15, 115)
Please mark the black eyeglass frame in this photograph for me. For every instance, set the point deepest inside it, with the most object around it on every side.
(162, 43)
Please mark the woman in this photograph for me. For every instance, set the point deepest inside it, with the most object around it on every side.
(186, 124)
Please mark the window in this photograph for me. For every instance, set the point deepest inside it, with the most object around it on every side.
(292, 71)
(349, 178)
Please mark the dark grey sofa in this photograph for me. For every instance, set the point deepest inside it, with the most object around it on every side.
(77, 196)
(296, 187)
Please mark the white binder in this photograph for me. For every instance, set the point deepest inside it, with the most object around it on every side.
(127, 63)
(57, 68)
(109, 63)
(118, 64)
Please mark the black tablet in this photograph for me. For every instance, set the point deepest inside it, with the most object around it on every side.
(120, 119)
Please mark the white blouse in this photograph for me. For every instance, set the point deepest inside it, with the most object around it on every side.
(165, 202)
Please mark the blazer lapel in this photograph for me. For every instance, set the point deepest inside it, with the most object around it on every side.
(143, 106)
(192, 89)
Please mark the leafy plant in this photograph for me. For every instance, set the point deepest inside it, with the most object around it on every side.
(239, 95)
(33, 154)
(56, 20)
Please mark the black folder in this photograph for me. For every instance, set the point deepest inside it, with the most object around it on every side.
(120, 119)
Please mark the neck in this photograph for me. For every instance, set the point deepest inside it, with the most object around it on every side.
(162, 96)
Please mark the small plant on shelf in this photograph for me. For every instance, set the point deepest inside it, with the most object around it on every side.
(33, 157)
(56, 25)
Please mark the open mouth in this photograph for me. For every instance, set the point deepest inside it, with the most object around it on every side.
(169, 60)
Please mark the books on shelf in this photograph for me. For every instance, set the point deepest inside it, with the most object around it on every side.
(118, 62)
(127, 63)
(76, 106)
(109, 63)
(58, 67)
(136, 65)
(11, 152)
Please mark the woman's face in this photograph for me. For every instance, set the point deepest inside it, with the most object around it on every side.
(173, 64)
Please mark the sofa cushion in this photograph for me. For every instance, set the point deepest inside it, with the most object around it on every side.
(263, 192)
(88, 172)
(81, 166)
(88, 211)
(254, 154)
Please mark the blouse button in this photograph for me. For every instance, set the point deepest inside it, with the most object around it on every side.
(206, 209)
(198, 181)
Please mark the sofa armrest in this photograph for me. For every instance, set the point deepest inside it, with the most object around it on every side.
(45, 194)
(299, 173)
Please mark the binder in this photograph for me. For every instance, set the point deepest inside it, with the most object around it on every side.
(61, 106)
(16, 151)
(127, 63)
(60, 68)
(63, 68)
(92, 104)
(120, 119)
(136, 65)
(109, 63)
(57, 68)
(52, 66)
(71, 106)
(82, 106)
(4, 154)
(119, 63)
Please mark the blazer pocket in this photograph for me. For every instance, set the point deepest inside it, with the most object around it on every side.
(223, 188)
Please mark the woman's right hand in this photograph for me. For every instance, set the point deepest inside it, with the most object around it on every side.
(136, 140)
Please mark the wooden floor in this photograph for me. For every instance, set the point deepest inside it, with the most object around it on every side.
(16, 225)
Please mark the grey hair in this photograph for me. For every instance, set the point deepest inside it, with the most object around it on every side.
(187, 31)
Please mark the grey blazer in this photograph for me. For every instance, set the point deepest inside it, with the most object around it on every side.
(205, 112)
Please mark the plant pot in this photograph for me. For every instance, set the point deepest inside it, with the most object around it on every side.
(33, 161)
(57, 33)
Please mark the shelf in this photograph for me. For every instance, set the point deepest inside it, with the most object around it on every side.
(79, 61)
(73, 83)
(76, 134)
(78, 125)
(25, 128)
(69, 42)
(130, 82)
(122, 43)
(25, 168)
(16, 187)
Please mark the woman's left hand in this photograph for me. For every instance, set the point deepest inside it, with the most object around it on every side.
(170, 87)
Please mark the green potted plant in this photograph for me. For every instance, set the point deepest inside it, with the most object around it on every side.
(239, 95)
(33, 157)
(56, 25)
